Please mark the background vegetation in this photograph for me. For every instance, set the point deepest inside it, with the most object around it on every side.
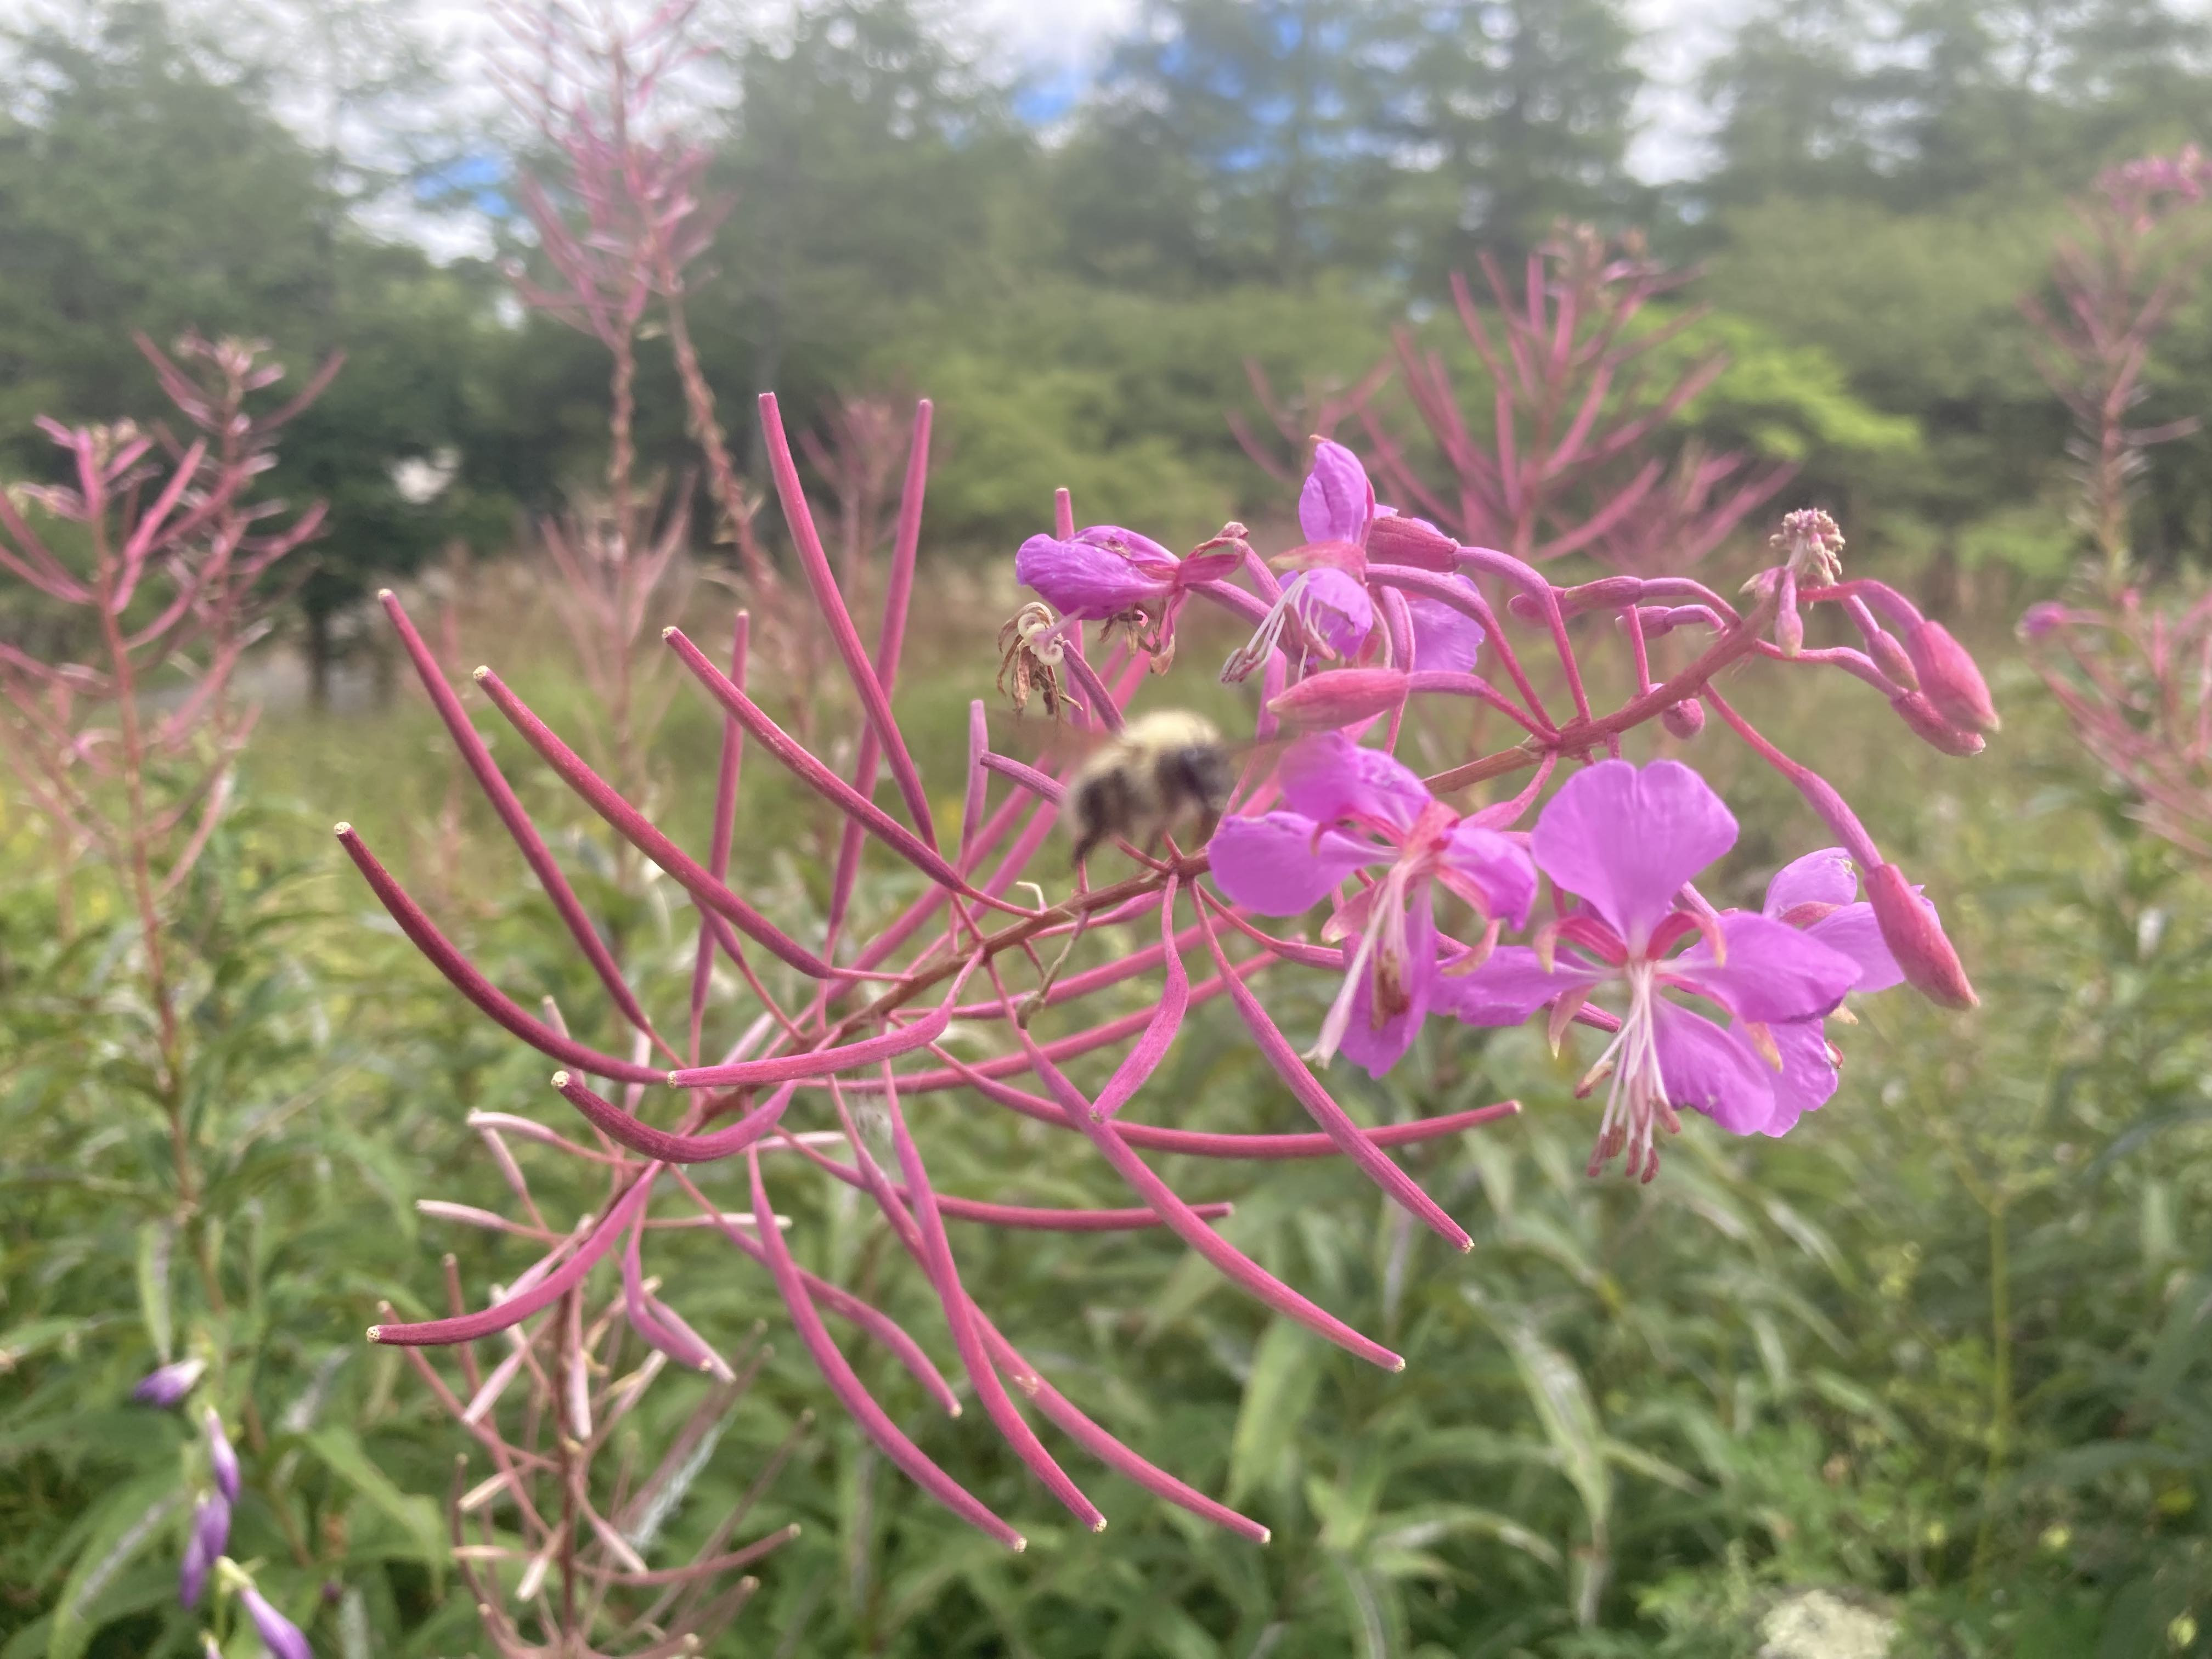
(1942, 1352)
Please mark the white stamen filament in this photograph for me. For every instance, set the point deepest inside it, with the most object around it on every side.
(1636, 1100)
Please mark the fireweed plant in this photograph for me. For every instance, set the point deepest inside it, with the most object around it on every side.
(152, 556)
(2135, 679)
(852, 1033)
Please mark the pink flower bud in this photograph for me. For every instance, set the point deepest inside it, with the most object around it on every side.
(1915, 709)
(1948, 676)
(1684, 718)
(1343, 696)
(1892, 657)
(1394, 539)
(1916, 939)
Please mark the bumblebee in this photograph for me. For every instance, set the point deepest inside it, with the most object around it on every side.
(1161, 771)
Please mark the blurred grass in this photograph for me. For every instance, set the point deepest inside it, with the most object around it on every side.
(1940, 1350)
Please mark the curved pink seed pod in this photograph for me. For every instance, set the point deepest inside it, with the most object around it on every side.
(785, 1068)
(1050, 790)
(1074, 987)
(1400, 1188)
(1105, 1446)
(1066, 1048)
(1232, 1262)
(1029, 1218)
(1138, 1066)
(464, 978)
(809, 770)
(806, 541)
(1257, 1148)
(1394, 539)
(971, 806)
(509, 807)
(863, 1316)
(727, 771)
(466, 1327)
(635, 828)
(666, 1145)
(960, 1316)
(684, 1346)
(890, 636)
(872, 1417)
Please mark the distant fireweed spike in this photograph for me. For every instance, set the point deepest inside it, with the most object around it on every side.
(279, 1635)
(1625, 840)
(1916, 937)
(1684, 720)
(1951, 679)
(222, 1460)
(1348, 809)
(204, 1546)
(1917, 710)
(1341, 697)
(167, 1384)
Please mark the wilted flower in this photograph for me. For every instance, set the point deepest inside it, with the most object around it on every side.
(1350, 809)
(166, 1385)
(1627, 841)
(1109, 575)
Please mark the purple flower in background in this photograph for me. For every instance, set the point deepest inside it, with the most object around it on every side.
(221, 1459)
(279, 1635)
(1348, 809)
(204, 1547)
(1625, 840)
(166, 1385)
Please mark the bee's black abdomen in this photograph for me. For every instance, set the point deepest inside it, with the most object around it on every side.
(1102, 803)
(1199, 776)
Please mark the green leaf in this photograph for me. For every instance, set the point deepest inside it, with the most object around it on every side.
(153, 1243)
(1286, 1370)
(130, 1520)
(416, 1515)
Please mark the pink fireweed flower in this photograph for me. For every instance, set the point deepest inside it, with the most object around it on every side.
(1326, 607)
(1348, 809)
(1109, 575)
(1626, 840)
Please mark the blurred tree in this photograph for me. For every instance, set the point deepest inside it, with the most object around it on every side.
(1506, 116)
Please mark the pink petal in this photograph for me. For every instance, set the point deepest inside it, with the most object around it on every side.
(1083, 581)
(1499, 865)
(1855, 932)
(1281, 863)
(1328, 777)
(1772, 971)
(1828, 877)
(1511, 985)
(1336, 607)
(1378, 1048)
(1709, 1070)
(1445, 639)
(1808, 1076)
(1626, 839)
(1337, 500)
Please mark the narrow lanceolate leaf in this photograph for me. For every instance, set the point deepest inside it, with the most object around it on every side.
(1286, 1372)
(155, 1239)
